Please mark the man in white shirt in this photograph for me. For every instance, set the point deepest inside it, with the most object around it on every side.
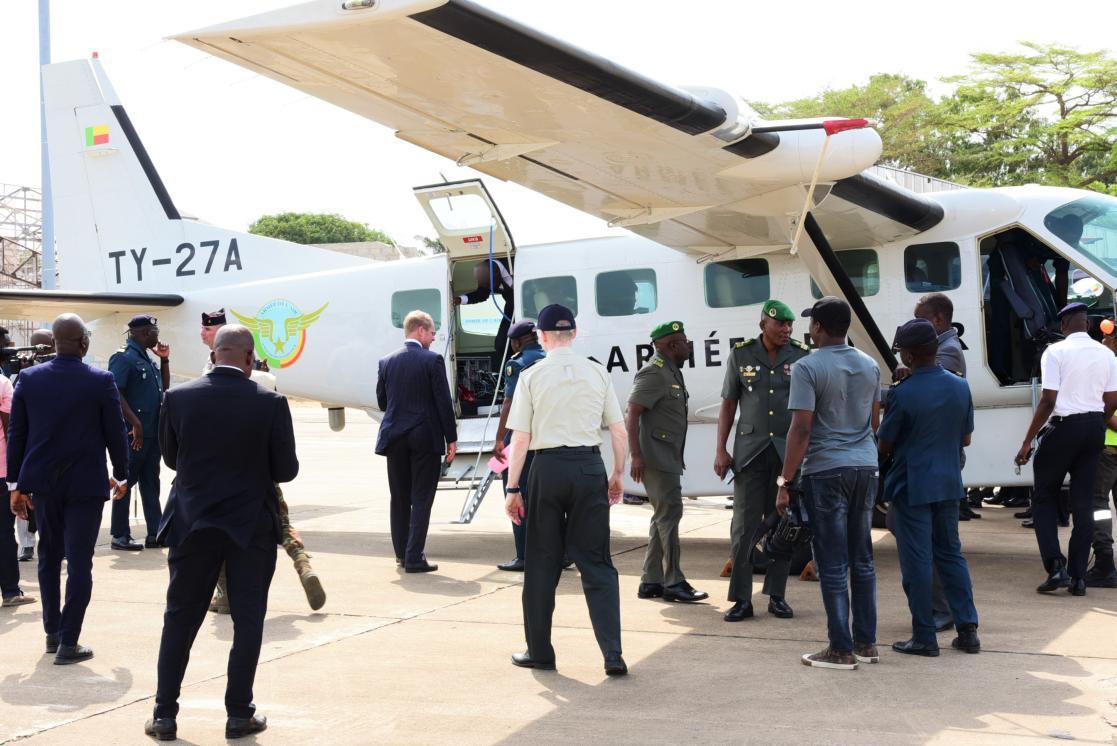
(1079, 379)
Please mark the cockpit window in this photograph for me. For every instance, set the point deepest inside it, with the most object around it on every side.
(1088, 225)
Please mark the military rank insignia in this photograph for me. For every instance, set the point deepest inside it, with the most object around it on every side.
(508, 371)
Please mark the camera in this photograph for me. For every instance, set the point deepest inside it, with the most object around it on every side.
(21, 358)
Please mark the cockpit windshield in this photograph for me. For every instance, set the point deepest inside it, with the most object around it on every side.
(1088, 225)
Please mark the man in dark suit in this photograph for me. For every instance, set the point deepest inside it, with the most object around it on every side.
(418, 427)
(230, 440)
(65, 414)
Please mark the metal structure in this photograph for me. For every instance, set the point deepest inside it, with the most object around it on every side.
(21, 241)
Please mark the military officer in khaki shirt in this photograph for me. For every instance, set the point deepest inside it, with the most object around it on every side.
(561, 405)
(657, 422)
(758, 378)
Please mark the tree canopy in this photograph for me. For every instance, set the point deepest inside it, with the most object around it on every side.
(1046, 114)
(316, 228)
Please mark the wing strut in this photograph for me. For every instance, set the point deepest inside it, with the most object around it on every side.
(852, 297)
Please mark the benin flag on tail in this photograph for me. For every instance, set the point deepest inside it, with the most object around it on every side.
(97, 135)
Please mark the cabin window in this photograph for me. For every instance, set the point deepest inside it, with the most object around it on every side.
(406, 301)
(626, 293)
(863, 269)
(462, 212)
(738, 282)
(541, 292)
(1089, 226)
(932, 267)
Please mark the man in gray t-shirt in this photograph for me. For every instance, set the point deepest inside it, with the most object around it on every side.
(835, 403)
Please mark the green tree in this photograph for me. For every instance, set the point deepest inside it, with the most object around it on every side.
(433, 245)
(316, 228)
(1045, 115)
(899, 102)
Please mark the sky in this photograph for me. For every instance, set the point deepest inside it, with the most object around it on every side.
(231, 145)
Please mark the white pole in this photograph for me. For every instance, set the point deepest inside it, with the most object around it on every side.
(48, 268)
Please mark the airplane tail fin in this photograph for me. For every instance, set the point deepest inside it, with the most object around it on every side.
(117, 227)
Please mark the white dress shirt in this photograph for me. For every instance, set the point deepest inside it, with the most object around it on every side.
(1081, 370)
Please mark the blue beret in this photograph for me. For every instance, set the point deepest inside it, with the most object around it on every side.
(521, 329)
(556, 318)
(139, 322)
(915, 333)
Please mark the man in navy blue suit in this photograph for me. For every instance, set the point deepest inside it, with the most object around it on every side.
(65, 414)
(418, 427)
(229, 440)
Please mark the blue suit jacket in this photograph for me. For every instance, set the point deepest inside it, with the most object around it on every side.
(230, 440)
(412, 391)
(64, 415)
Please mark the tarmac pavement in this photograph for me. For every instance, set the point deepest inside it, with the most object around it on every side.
(398, 658)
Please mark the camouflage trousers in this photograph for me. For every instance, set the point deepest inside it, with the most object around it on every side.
(292, 544)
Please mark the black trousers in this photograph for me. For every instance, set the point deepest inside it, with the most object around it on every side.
(194, 566)
(519, 533)
(1070, 446)
(413, 472)
(68, 531)
(754, 498)
(569, 517)
(9, 549)
(143, 478)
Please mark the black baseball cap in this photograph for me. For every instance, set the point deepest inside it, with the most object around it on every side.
(556, 318)
(830, 311)
(914, 333)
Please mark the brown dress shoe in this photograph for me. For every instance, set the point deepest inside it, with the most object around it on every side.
(810, 572)
(727, 571)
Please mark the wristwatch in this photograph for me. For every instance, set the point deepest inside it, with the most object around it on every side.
(512, 490)
(780, 481)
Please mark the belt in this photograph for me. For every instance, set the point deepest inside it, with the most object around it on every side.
(1078, 416)
(562, 450)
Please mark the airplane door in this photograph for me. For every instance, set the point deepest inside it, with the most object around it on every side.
(466, 219)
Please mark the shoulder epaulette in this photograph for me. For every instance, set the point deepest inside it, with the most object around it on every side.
(800, 345)
(658, 362)
(746, 342)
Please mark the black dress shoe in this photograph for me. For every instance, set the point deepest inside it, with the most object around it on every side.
(516, 565)
(1077, 587)
(741, 610)
(241, 727)
(1101, 576)
(777, 607)
(127, 545)
(163, 729)
(943, 622)
(911, 647)
(151, 543)
(524, 660)
(52, 644)
(424, 566)
(68, 654)
(967, 639)
(26, 554)
(1019, 499)
(650, 590)
(1023, 514)
(1056, 579)
(964, 509)
(1029, 523)
(684, 593)
(615, 665)
(1064, 522)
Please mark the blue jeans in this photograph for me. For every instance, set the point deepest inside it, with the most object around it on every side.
(839, 504)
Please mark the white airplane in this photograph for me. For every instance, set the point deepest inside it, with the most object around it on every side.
(716, 200)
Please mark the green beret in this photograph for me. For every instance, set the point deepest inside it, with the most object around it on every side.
(668, 327)
(774, 309)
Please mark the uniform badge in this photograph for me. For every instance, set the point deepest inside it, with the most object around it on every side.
(675, 326)
(772, 312)
(508, 371)
(787, 369)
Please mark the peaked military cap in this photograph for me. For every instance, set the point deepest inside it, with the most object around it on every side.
(778, 310)
(141, 321)
(1073, 308)
(914, 333)
(521, 329)
(214, 318)
(667, 327)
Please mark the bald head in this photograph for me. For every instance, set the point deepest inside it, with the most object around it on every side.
(42, 337)
(70, 335)
(234, 346)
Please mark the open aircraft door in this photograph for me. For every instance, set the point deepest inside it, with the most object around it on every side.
(471, 229)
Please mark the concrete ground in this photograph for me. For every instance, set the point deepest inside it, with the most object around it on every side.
(396, 658)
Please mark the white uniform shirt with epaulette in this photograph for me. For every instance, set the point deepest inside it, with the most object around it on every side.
(564, 400)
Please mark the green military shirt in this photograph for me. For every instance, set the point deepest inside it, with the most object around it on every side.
(659, 388)
(761, 388)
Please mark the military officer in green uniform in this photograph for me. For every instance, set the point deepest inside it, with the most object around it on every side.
(758, 379)
(657, 422)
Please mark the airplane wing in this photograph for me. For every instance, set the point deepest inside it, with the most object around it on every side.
(691, 169)
(40, 305)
